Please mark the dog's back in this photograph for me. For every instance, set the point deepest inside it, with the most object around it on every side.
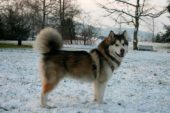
(76, 64)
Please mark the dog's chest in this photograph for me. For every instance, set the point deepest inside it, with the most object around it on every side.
(106, 73)
(109, 72)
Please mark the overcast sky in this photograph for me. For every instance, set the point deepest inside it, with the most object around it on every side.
(96, 14)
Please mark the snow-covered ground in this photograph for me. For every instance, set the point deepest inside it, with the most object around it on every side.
(140, 85)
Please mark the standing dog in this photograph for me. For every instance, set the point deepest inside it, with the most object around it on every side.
(96, 66)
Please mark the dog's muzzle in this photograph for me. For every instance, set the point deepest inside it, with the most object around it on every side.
(122, 52)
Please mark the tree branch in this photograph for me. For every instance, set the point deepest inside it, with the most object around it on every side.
(125, 21)
(111, 11)
(125, 2)
(154, 15)
(142, 7)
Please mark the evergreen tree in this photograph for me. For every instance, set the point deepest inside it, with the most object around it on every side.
(166, 35)
(16, 27)
(158, 38)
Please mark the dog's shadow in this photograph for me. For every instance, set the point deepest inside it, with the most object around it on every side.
(69, 102)
(50, 107)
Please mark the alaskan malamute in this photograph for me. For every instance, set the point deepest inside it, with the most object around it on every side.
(96, 66)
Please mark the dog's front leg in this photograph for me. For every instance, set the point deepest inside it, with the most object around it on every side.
(99, 89)
(43, 100)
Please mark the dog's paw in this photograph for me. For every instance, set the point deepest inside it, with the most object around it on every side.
(48, 107)
(95, 100)
(104, 103)
(100, 102)
(43, 106)
(51, 107)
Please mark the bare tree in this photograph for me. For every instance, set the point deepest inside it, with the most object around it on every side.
(67, 12)
(132, 14)
(47, 7)
(88, 32)
(41, 13)
(42, 7)
(15, 21)
(85, 30)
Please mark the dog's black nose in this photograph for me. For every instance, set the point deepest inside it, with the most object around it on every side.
(122, 51)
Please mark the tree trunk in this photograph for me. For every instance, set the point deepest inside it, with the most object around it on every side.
(61, 21)
(19, 42)
(84, 40)
(60, 12)
(71, 36)
(153, 34)
(71, 40)
(63, 9)
(135, 35)
(135, 39)
(44, 11)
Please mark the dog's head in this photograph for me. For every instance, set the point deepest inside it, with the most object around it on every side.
(118, 44)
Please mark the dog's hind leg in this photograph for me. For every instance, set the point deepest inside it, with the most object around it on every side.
(99, 89)
(46, 88)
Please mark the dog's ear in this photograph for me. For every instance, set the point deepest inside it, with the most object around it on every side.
(111, 36)
(125, 35)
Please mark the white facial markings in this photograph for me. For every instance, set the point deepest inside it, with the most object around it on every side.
(115, 49)
(122, 42)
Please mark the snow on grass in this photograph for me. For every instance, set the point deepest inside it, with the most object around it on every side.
(140, 85)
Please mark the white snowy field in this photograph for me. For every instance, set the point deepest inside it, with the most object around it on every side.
(140, 85)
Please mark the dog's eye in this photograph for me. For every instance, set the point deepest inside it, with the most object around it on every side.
(123, 44)
(116, 45)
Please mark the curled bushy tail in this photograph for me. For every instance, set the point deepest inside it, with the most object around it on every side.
(47, 40)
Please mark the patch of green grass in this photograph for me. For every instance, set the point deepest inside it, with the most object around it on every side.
(167, 47)
(5, 45)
